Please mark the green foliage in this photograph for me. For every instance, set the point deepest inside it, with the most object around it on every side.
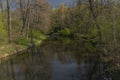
(65, 32)
(90, 47)
(38, 35)
(22, 41)
(3, 32)
(93, 32)
(16, 24)
(65, 40)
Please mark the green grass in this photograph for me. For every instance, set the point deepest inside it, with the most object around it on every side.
(37, 36)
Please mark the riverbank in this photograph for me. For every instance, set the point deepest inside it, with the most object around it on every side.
(9, 50)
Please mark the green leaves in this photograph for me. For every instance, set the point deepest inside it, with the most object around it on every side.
(65, 32)
(3, 32)
(21, 41)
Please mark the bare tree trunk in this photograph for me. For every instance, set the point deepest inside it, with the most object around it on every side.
(27, 30)
(1, 5)
(9, 22)
(113, 26)
(24, 14)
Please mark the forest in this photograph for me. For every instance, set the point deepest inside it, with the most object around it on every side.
(95, 24)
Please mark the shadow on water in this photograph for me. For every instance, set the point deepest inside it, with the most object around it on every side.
(54, 60)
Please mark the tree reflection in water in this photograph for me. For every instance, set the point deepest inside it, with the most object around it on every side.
(54, 60)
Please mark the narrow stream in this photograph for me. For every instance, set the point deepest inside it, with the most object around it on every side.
(53, 60)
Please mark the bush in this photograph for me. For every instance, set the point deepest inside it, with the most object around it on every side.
(38, 35)
(65, 40)
(21, 41)
(90, 47)
(65, 32)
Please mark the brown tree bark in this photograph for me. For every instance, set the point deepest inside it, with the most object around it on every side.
(24, 14)
(9, 22)
(1, 5)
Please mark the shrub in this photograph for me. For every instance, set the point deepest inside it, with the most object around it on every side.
(65, 32)
(21, 41)
(38, 35)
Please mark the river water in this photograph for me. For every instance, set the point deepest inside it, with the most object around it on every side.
(54, 60)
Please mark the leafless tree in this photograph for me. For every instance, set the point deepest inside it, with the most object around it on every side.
(9, 21)
(1, 5)
(24, 8)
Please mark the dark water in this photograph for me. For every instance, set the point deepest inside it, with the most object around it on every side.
(54, 60)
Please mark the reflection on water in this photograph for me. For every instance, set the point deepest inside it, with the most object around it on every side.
(53, 60)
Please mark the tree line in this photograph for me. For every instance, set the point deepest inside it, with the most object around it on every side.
(89, 19)
(23, 18)
(98, 19)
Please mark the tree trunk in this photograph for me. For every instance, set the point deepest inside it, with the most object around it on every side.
(9, 22)
(1, 5)
(24, 14)
(113, 26)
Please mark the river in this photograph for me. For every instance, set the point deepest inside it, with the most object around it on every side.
(54, 60)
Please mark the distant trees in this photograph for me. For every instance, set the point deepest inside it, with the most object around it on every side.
(62, 15)
(22, 16)
(96, 19)
(40, 15)
(59, 17)
(25, 10)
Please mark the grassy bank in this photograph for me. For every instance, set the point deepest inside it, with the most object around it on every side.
(19, 45)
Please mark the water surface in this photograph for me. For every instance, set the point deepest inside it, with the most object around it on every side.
(53, 60)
